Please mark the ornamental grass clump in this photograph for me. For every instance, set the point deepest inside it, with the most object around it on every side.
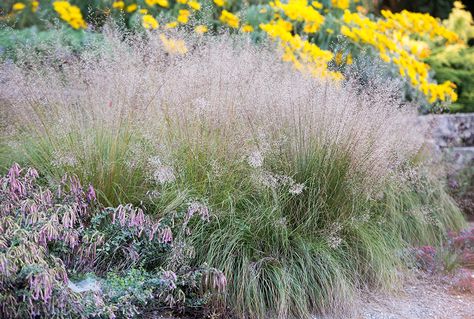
(316, 187)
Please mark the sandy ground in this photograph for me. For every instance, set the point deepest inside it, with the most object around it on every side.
(422, 297)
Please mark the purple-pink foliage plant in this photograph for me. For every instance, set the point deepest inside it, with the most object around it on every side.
(34, 223)
(47, 233)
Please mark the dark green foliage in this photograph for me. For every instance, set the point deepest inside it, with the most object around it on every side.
(436, 8)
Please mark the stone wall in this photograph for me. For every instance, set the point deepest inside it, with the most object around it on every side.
(453, 135)
(453, 138)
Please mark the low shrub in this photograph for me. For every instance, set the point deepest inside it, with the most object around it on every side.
(457, 252)
(50, 235)
(40, 236)
(60, 43)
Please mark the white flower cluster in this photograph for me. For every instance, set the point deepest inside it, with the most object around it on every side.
(255, 159)
(334, 239)
(63, 159)
(161, 173)
(198, 208)
(271, 180)
(361, 219)
(296, 188)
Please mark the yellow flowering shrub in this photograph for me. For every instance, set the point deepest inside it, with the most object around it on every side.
(461, 22)
(391, 37)
(303, 54)
(415, 23)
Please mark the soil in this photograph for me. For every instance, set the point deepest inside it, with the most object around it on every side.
(422, 297)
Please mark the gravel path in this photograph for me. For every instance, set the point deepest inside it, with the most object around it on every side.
(422, 297)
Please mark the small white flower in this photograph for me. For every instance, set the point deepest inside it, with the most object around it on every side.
(334, 241)
(296, 189)
(200, 209)
(154, 161)
(161, 173)
(153, 194)
(285, 180)
(164, 174)
(268, 179)
(282, 222)
(63, 160)
(255, 159)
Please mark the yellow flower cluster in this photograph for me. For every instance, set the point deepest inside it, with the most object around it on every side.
(415, 23)
(121, 5)
(341, 4)
(149, 22)
(183, 16)
(391, 39)
(230, 19)
(70, 13)
(131, 8)
(300, 11)
(201, 29)
(247, 28)
(171, 25)
(118, 5)
(194, 5)
(161, 3)
(34, 5)
(420, 49)
(305, 56)
(219, 3)
(173, 46)
(191, 3)
(19, 6)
